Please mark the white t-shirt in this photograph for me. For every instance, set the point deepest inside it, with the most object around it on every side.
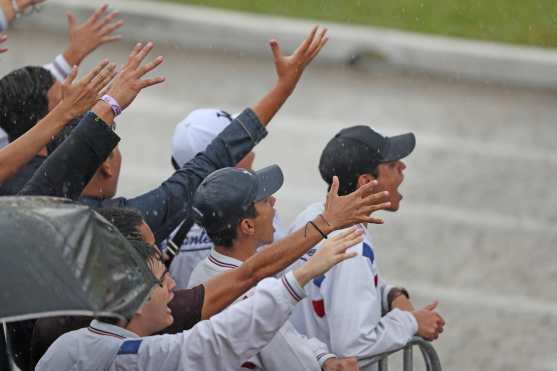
(345, 306)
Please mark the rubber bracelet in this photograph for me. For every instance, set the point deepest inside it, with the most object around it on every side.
(116, 109)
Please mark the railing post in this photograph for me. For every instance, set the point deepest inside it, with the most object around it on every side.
(384, 364)
(408, 359)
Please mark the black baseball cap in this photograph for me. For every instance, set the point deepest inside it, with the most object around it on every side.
(359, 149)
(226, 194)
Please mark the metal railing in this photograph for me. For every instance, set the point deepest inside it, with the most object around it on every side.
(431, 359)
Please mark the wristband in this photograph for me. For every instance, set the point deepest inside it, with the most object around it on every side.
(116, 109)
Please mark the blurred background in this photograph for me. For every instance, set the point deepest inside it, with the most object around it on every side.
(476, 229)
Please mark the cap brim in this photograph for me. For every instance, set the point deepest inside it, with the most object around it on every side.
(400, 146)
(269, 180)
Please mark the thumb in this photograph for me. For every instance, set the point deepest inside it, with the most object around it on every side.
(71, 20)
(275, 48)
(334, 186)
(431, 306)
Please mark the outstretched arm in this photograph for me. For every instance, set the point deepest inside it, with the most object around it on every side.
(340, 212)
(84, 38)
(76, 99)
(289, 70)
(68, 170)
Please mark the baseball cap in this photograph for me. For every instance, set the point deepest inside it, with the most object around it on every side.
(226, 194)
(193, 134)
(358, 149)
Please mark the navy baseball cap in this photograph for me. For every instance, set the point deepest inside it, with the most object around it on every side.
(358, 149)
(225, 195)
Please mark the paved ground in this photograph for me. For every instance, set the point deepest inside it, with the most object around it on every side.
(476, 228)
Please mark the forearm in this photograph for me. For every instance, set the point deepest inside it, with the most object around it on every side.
(68, 170)
(269, 105)
(18, 153)
(224, 289)
(8, 10)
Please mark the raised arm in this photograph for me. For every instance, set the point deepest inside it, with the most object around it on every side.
(225, 341)
(97, 30)
(340, 212)
(289, 70)
(76, 99)
(3, 39)
(10, 9)
(166, 206)
(68, 170)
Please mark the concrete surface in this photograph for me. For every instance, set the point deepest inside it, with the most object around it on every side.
(477, 225)
(371, 47)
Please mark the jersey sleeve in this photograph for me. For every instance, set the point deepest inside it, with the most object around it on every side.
(223, 342)
(353, 311)
(289, 351)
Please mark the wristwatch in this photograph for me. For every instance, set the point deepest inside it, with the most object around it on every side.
(395, 293)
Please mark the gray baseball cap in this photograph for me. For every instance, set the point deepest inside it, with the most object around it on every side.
(226, 194)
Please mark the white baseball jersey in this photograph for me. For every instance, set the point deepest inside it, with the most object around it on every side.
(222, 343)
(288, 350)
(345, 306)
(196, 247)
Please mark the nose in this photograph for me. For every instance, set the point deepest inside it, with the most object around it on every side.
(402, 165)
(273, 200)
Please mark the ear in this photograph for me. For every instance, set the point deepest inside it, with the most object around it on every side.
(364, 179)
(246, 227)
(106, 169)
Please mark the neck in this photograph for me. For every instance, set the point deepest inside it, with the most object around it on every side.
(240, 250)
(135, 326)
(95, 189)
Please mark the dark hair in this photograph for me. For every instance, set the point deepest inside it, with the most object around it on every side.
(225, 237)
(24, 99)
(125, 220)
(347, 159)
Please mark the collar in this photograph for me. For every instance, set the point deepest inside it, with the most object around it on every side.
(106, 329)
(223, 261)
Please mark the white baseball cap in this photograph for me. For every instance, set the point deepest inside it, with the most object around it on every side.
(194, 133)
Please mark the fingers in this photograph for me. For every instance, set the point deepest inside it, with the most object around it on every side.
(316, 41)
(71, 77)
(71, 20)
(107, 30)
(134, 52)
(344, 234)
(106, 20)
(275, 48)
(322, 43)
(307, 41)
(366, 189)
(95, 71)
(140, 56)
(104, 77)
(372, 220)
(431, 306)
(99, 12)
(150, 82)
(334, 187)
(3, 38)
(373, 208)
(150, 66)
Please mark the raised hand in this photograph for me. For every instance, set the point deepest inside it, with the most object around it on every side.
(430, 323)
(78, 98)
(354, 208)
(290, 68)
(3, 39)
(332, 252)
(88, 36)
(128, 83)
